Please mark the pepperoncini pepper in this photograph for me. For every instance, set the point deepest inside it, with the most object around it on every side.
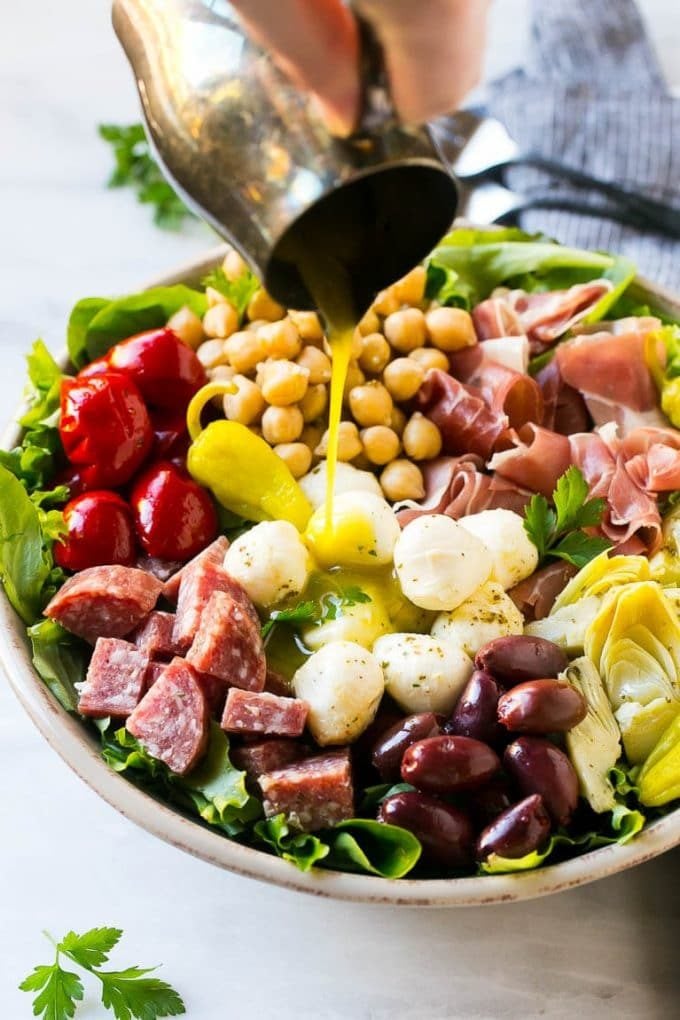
(659, 778)
(241, 469)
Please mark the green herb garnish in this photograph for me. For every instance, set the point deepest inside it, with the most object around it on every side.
(329, 607)
(237, 292)
(559, 532)
(127, 993)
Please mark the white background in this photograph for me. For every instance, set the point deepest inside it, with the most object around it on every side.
(233, 947)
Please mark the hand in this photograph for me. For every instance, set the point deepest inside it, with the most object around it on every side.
(433, 51)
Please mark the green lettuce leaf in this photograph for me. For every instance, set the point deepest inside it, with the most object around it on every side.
(370, 847)
(96, 324)
(303, 849)
(25, 557)
(218, 789)
(60, 659)
(238, 292)
(483, 260)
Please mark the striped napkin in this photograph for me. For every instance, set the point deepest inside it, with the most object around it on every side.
(593, 95)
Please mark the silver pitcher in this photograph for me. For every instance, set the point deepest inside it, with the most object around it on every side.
(246, 151)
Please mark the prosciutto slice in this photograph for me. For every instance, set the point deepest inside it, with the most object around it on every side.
(542, 316)
(564, 409)
(610, 371)
(652, 458)
(465, 421)
(456, 486)
(503, 390)
(535, 596)
(536, 461)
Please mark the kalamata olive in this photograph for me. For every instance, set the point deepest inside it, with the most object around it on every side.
(489, 801)
(475, 714)
(516, 832)
(512, 660)
(537, 766)
(389, 748)
(542, 706)
(447, 764)
(445, 833)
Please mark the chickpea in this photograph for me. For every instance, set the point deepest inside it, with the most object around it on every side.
(405, 329)
(410, 290)
(283, 382)
(402, 479)
(375, 353)
(187, 326)
(262, 306)
(403, 377)
(221, 373)
(212, 353)
(282, 425)
(371, 404)
(296, 456)
(215, 297)
(381, 444)
(355, 377)
(311, 436)
(422, 439)
(398, 420)
(233, 265)
(314, 402)
(369, 323)
(308, 326)
(247, 404)
(386, 302)
(280, 339)
(317, 364)
(430, 357)
(245, 350)
(349, 443)
(220, 320)
(450, 329)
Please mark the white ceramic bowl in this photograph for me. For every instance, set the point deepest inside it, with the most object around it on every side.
(78, 747)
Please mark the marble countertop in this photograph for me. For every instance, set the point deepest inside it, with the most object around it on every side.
(233, 947)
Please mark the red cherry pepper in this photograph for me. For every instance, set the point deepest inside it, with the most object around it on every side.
(167, 372)
(100, 531)
(104, 428)
(174, 517)
(171, 439)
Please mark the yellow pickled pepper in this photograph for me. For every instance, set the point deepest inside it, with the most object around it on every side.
(659, 778)
(241, 469)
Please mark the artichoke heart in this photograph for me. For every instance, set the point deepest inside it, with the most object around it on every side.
(594, 745)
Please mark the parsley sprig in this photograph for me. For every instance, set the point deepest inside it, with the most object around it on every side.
(128, 993)
(329, 607)
(137, 169)
(559, 532)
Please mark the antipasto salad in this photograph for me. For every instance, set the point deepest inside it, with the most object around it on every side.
(461, 656)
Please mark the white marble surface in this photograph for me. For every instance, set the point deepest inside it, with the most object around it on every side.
(233, 947)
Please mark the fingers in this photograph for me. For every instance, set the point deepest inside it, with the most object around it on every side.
(434, 51)
(315, 42)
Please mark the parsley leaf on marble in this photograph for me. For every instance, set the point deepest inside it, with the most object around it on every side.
(127, 993)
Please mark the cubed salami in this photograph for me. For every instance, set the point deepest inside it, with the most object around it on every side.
(172, 720)
(315, 793)
(155, 636)
(266, 755)
(115, 681)
(104, 601)
(269, 714)
(228, 645)
(154, 670)
(195, 592)
(213, 553)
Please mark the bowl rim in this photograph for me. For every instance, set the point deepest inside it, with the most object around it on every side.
(78, 748)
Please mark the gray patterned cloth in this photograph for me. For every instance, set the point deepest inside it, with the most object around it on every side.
(592, 95)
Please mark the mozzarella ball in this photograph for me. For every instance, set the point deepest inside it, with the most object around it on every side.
(271, 562)
(422, 674)
(489, 613)
(342, 683)
(347, 479)
(363, 624)
(363, 532)
(514, 555)
(438, 563)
